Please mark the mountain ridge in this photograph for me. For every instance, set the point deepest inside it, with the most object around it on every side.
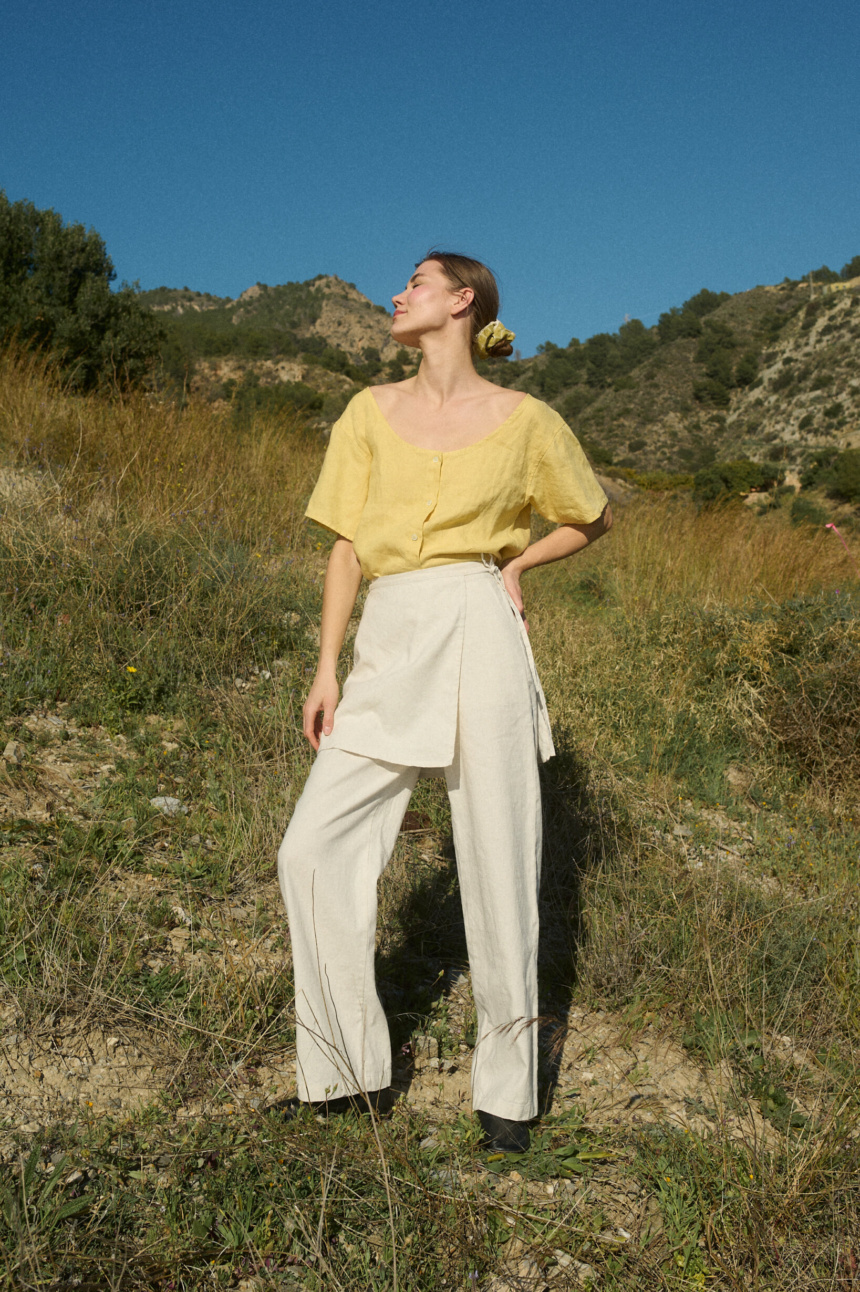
(767, 373)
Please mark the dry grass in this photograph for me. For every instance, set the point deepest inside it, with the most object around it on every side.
(158, 461)
(667, 550)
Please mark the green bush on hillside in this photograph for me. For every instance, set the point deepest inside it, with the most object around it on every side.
(806, 512)
(837, 473)
(823, 275)
(248, 398)
(598, 363)
(725, 480)
(746, 369)
(713, 392)
(686, 321)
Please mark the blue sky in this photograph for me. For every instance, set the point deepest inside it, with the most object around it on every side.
(606, 158)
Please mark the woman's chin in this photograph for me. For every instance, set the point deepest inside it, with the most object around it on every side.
(404, 336)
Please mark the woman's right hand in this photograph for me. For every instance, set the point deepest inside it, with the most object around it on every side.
(319, 707)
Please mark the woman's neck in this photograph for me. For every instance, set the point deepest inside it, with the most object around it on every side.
(446, 371)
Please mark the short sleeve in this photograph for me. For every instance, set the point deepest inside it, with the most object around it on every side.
(341, 490)
(562, 485)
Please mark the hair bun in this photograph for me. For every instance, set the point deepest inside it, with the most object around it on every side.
(494, 341)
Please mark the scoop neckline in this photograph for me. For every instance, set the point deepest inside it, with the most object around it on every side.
(447, 452)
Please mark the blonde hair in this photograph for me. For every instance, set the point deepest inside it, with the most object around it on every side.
(463, 271)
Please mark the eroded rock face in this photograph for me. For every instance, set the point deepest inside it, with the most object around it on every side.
(353, 325)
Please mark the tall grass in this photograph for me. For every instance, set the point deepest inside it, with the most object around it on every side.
(145, 547)
(156, 462)
(667, 550)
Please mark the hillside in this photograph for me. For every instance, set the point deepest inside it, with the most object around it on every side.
(770, 373)
(324, 307)
(307, 345)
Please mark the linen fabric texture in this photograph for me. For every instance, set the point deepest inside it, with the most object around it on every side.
(401, 701)
(408, 508)
(345, 825)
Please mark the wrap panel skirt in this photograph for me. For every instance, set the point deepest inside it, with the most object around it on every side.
(400, 702)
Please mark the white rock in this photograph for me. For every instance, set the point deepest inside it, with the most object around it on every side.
(168, 806)
(15, 753)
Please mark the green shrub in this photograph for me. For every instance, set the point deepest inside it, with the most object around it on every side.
(843, 478)
(806, 512)
(746, 369)
(249, 398)
(711, 391)
(725, 480)
(823, 275)
(55, 297)
(577, 402)
(783, 380)
(658, 480)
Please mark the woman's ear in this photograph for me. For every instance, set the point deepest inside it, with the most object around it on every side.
(462, 300)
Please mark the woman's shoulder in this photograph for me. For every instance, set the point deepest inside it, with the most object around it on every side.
(386, 396)
(543, 421)
(358, 413)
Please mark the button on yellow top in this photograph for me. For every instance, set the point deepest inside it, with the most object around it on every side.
(372, 480)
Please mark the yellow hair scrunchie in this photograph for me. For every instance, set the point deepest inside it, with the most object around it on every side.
(490, 336)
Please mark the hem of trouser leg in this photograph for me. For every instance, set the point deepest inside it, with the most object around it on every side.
(511, 1112)
(319, 1094)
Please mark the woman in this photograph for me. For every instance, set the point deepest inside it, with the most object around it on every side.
(428, 484)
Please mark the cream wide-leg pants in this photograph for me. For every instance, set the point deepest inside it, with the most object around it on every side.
(342, 835)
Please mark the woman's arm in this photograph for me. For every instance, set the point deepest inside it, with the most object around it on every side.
(342, 580)
(562, 542)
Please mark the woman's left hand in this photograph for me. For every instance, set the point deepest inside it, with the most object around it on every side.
(511, 576)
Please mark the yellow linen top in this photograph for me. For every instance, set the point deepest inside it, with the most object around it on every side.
(408, 508)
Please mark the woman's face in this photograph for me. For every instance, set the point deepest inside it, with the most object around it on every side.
(426, 304)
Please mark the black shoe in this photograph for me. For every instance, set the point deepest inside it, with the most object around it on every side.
(502, 1135)
(359, 1104)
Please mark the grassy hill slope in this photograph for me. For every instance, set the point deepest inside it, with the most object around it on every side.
(767, 373)
(298, 345)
